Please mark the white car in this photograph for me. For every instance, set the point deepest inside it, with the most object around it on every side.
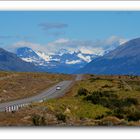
(58, 88)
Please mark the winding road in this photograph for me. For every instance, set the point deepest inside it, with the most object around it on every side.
(48, 94)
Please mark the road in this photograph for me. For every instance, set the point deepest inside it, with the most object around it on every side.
(48, 94)
(79, 77)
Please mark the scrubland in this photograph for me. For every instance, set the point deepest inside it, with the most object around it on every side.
(97, 100)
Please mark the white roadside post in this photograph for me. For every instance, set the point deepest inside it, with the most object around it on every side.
(9, 109)
(6, 109)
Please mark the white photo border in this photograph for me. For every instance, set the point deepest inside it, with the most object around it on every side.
(69, 5)
(63, 133)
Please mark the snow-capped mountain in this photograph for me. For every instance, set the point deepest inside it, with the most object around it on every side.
(62, 62)
(29, 55)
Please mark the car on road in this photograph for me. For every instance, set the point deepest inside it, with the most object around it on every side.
(58, 88)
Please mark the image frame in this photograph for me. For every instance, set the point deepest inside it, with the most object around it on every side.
(127, 133)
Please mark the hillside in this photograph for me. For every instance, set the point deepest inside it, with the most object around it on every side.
(10, 62)
(123, 60)
(18, 85)
(94, 101)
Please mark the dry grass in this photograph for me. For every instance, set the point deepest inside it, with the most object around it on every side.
(21, 85)
(77, 111)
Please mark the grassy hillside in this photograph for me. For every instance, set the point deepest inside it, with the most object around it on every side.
(94, 101)
(20, 85)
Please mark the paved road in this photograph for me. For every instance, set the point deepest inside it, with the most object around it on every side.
(78, 77)
(50, 93)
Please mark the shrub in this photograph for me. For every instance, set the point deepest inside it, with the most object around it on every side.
(104, 98)
(38, 120)
(92, 75)
(130, 101)
(119, 113)
(42, 121)
(135, 116)
(99, 117)
(35, 120)
(82, 91)
(110, 100)
(61, 117)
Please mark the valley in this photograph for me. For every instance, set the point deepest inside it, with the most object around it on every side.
(69, 68)
(92, 100)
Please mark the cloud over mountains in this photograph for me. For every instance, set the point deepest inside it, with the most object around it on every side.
(98, 47)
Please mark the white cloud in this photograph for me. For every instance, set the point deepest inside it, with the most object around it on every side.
(58, 42)
(113, 39)
(34, 46)
(91, 50)
(85, 50)
(88, 47)
(122, 41)
(73, 62)
(70, 45)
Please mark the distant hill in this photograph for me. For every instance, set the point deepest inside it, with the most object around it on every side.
(10, 62)
(125, 59)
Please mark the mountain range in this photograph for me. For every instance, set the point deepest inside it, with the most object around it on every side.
(125, 59)
(60, 62)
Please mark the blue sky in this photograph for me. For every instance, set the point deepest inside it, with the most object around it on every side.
(43, 27)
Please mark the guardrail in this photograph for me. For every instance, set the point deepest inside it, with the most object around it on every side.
(15, 107)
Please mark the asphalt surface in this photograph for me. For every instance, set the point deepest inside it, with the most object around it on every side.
(48, 94)
(79, 77)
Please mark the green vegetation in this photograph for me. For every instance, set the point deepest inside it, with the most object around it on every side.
(110, 100)
(61, 117)
(99, 100)
(38, 120)
(82, 91)
(74, 108)
(93, 101)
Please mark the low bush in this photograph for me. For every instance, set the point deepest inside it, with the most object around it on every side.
(82, 91)
(61, 117)
(119, 113)
(130, 101)
(38, 120)
(110, 100)
(103, 98)
(135, 116)
(35, 120)
(99, 117)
